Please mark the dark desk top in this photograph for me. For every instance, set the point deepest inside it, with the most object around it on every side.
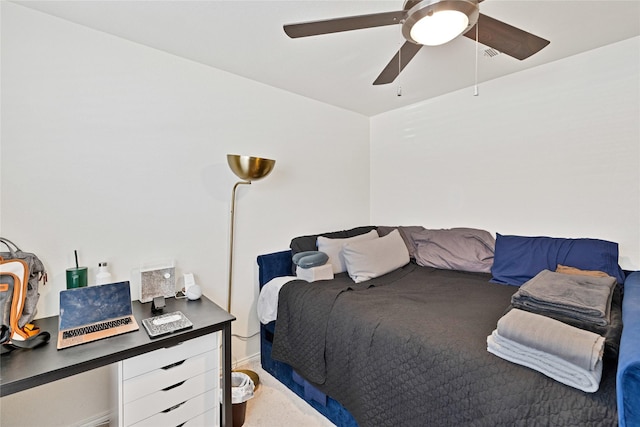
(22, 369)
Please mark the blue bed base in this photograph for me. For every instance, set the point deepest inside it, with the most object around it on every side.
(276, 265)
(628, 374)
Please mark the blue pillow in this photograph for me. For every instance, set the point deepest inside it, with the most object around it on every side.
(309, 259)
(518, 258)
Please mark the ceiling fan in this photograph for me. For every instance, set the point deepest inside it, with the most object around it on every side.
(431, 23)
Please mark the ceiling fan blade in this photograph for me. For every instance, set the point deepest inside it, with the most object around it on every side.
(397, 63)
(506, 38)
(348, 23)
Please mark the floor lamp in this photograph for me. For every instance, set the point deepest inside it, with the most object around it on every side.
(248, 169)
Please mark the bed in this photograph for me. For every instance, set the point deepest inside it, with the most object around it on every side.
(409, 346)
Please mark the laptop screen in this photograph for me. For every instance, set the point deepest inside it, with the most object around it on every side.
(83, 306)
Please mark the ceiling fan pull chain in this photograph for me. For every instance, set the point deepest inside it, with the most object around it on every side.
(475, 89)
(399, 92)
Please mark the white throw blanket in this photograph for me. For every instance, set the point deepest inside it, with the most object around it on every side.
(567, 354)
(268, 299)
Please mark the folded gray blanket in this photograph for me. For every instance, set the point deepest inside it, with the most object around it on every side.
(583, 298)
(567, 354)
(576, 346)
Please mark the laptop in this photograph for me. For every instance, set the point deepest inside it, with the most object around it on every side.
(94, 312)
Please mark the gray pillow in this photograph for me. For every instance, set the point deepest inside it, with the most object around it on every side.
(465, 249)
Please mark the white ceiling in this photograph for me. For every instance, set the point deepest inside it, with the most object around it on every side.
(246, 38)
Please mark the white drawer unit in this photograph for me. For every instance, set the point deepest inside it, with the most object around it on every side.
(167, 356)
(168, 376)
(209, 418)
(199, 405)
(172, 386)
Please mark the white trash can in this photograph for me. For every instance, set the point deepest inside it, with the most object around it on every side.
(241, 390)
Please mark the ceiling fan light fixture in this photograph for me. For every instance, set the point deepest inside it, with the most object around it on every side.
(433, 23)
(439, 28)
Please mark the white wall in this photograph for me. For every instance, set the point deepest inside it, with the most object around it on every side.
(119, 151)
(549, 151)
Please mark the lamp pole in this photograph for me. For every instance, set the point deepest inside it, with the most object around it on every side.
(248, 169)
(233, 212)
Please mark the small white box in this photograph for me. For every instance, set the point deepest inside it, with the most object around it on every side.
(322, 272)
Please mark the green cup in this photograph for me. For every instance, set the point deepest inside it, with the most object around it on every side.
(76, 277)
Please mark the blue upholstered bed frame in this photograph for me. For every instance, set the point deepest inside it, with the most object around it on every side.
(628, 374)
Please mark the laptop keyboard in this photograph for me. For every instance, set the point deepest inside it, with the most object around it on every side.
(95, 328)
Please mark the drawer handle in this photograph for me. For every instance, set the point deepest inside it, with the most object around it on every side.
(173, 345)
(174, 386)
(173, 365)
(174, 407)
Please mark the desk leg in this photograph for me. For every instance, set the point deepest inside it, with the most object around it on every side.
(227, 420)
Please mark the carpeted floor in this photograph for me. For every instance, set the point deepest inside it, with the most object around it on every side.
(274, 405)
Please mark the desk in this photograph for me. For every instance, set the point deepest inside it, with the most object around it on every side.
(24, 369)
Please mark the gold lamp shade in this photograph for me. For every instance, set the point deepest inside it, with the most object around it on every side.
(250, 168)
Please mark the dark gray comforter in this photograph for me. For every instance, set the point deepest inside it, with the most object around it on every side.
(409, 349)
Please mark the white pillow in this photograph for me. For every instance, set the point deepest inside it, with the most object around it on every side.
(372, 258)
(333, 248)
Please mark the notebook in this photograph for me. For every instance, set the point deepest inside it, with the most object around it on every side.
(95, 312)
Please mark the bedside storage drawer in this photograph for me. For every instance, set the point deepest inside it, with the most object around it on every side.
(158, 379)
(211, 418)
(197, 412)
(166, 356)
(169, 397)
